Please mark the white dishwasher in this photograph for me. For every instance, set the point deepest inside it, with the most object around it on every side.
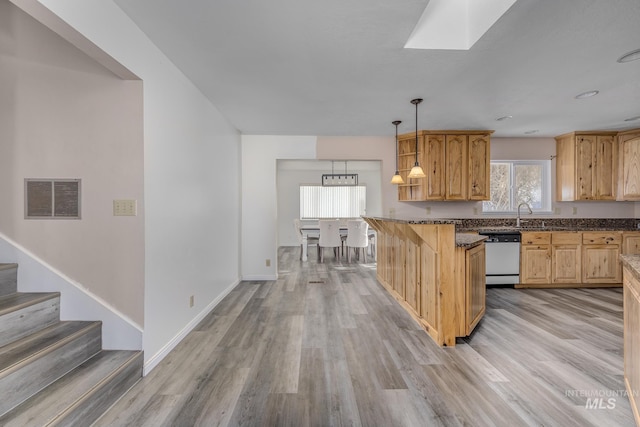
(502, 257)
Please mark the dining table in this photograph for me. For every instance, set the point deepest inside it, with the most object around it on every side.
(313, 230)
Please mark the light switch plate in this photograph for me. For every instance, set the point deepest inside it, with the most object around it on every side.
(125, 208)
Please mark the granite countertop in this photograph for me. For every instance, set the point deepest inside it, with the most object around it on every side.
(420, 220)
(546, 228)
(468, 240)
(632, 262)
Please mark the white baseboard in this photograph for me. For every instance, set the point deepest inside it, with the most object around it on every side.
(166, 349)
(259, 278)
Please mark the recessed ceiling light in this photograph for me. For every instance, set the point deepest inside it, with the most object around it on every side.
(631, 119)
(529, 132)
(630, 56)
(588, 94)
(499, 119)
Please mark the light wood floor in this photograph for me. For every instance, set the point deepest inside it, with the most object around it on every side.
(325, 345)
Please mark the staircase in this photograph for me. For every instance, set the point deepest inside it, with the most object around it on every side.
(55, 372)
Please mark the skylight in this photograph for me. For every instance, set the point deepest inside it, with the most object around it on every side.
(455, 24)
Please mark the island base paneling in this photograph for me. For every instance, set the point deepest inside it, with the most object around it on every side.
(440, 285)
(631, 312)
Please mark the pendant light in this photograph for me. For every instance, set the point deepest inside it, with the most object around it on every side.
(397, 179)
(416, 170)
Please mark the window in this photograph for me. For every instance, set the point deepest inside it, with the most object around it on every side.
(332, 202)
(519, 181)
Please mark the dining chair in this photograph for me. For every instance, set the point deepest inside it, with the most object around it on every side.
(357, 237)
(372, 243)
(329, 237)
(310, 239)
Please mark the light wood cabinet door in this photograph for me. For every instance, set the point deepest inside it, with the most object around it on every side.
(566, 263)
(535, 264)
(434, 167)
(629, 165)
(631, 243)
(479, 167)
(600, 264)
(476, 286)
(456, 169)
(632, 338)
(585, 167)
(605, 161)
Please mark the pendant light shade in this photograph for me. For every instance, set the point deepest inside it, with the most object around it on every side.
(416, 170)
(397, 179)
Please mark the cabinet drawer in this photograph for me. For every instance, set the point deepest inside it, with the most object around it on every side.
(601, 238)
(566, 238)
(535, 238)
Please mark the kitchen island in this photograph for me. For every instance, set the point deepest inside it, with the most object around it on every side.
(436, 274)
(631, 310)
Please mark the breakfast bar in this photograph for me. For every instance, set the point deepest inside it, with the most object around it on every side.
(436, 274)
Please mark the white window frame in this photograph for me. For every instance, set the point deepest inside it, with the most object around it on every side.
(546, 186)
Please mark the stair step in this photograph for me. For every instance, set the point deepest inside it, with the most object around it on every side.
(35, 361)
(8, 279)
(83, 395)
(22, 314)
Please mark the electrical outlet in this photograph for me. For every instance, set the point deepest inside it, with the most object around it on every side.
(392, 212)
(428, 210)
(575, 210)
(475, 211)
(191, 301)
(556, 211)
(268, 263)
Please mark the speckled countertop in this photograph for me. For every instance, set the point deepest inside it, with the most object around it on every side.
(468, 240)
(420, 220)
(465, 240)
(632, 263)
(536, 223)
(466, 227)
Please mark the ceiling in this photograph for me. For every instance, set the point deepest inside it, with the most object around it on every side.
(338, 68)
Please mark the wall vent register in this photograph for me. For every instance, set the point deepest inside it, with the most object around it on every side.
(52, 198)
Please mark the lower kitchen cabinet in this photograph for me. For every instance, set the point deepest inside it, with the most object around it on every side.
(535, 264)
(631, 313)
(600, 253)
(475, 292)
(631, 242)
(566, 259)
(560, 259)
(535, 258)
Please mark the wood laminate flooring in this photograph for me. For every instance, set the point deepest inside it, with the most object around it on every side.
(326, 345)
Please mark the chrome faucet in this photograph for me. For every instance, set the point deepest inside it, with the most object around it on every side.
(519, 206)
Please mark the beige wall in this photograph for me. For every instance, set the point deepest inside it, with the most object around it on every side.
(64, 116)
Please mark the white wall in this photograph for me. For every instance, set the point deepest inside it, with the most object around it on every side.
(260, 199)
(62, 115)
(191, 180)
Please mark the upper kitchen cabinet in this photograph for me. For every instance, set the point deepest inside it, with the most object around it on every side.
(456, 165)
(586, 166)
(629, 165)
